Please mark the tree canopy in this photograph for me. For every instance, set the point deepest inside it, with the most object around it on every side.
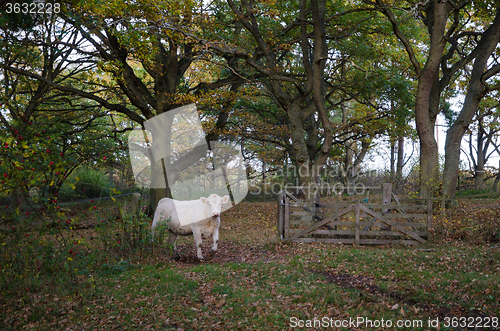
(306, 82)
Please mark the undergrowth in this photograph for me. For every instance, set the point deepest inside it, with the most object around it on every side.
(64, 255)
(114, 275)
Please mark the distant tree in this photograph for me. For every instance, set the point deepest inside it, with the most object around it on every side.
(483, 139)
(452, 41)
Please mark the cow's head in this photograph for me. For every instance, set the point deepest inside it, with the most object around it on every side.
(215, 202)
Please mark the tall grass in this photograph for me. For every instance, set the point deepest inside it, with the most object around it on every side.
(60, 255)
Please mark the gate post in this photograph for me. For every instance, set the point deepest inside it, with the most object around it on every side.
(281, 203)
(356, 228)
(387, 196)
(316, 210)
(286, 218)
(429, 219)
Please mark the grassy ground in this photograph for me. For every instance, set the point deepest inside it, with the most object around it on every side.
(254, 282)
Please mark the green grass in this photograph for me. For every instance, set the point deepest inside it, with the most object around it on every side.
(266, 288)
(450, 281)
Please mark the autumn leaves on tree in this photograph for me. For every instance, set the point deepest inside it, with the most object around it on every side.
(305, 82)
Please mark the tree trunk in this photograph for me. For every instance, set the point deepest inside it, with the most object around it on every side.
(263, 172)
(429, 157)
(348, 161)
(479, 177)
(479, 170)
(308, 176)
(157, 193)
(352, 172)
(399, 167)
(475, 92)
(424, 117)
(393, 160)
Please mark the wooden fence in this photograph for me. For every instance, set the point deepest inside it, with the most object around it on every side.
(355, 222)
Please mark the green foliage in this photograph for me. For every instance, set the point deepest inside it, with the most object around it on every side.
(44, 133)
(17, 21)
(85, 182)
(449, 113)
(56, 253)
(46, 253)
(162, 233)
(472, 191)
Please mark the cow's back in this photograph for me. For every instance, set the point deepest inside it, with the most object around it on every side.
(191, 211)
(167, 209)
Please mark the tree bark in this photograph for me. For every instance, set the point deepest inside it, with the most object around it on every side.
(479, 171)
(352, 171)
(399, 166)
(429, 154)
(475, 91)
(497, 179)
(308, 176)
(393, 160)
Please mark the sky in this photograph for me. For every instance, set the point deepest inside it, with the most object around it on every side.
(380, 161)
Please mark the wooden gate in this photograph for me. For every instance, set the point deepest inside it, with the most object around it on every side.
(356, 222)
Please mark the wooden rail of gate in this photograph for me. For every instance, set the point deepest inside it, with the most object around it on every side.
(353, 222)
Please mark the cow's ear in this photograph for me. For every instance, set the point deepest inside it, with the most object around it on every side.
(204, 200)
(225, 199)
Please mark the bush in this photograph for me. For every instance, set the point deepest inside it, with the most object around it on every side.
(57, 254)
(131, 234)
(31, 256)
(85, 183)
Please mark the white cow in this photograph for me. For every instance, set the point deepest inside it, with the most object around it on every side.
(203, 216)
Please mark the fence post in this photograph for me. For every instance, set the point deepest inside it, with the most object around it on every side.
(135, 203)
(429, 219)
(387, 196)
(287, 217)
(356, 230)
(281, 198)
(316, 210)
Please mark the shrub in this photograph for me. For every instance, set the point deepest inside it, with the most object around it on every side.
(85, 183)
(56, 253)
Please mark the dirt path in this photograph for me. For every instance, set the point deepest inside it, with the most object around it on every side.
(229, 252)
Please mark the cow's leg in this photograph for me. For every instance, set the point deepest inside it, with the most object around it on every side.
(198, 242)
(171, 242)
(215, 237)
